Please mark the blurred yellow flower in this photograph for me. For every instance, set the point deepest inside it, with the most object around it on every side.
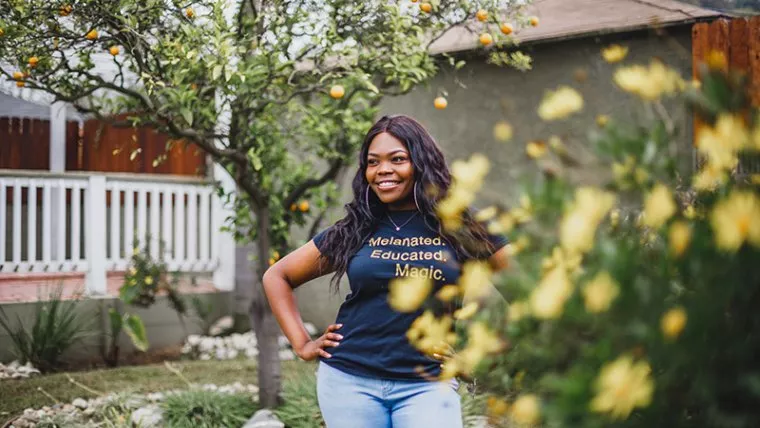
(716, 60)
(709, 177)
(621, 386)
(673, 323)
(658, 206)
(486, 214)
(578, 225)
(599, 293)
(649, 83)
(560, 103)
(517, 311)
(502, 131)
(496, 407)
(466, 312)
(428, 333)
(614, 53)
(447, 292)
(504, 224)
(614, 217)
(570, 261)
(536, 149)
(736, 219)
(721, 145)
(679, 237)
(547, 300)
(407, 294)
(689, 212)
(475, 280)
(467, 180)
(602, 120)
(148, 280)
(480, 342)
(526, 410)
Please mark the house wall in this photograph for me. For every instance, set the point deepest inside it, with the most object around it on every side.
(161, 322)
(492, 93)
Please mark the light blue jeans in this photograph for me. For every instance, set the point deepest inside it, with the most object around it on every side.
(349, 401)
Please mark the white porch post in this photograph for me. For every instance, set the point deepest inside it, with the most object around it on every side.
(95, 236)
(57, 165)
(224, 275)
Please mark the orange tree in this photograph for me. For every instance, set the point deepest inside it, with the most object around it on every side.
(278, 92)
(630, 304)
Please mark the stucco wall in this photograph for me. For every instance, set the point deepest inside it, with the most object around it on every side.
(493, 93)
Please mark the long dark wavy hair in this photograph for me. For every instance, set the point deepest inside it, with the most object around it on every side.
(431, 180)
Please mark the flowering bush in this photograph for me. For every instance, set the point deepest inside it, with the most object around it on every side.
(630, 304)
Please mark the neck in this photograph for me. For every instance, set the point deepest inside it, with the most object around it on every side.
(406, 205)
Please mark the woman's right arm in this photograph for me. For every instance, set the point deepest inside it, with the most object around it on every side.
(298, 267)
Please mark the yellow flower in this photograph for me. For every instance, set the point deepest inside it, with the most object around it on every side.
(614, 217)
(486, 214)
(526, 410)
(475, 280)
(502, 131)
(578, 225)
(709, 177)
(673, 323)
(467, 180)
(517, 311)
(614, 53)
(658, 206)
(689, 212)
(679, 237)
(496, 407)
(470, 174)
(736, 219)
(148, 280)
(621, 386)
(480, 342)
(447, 292)
(536, 149)
(547, 300)
(649, 83)
(560, 103)
(407, 293)
(518, 246)
(428, 333)
(504, 224)
(722, 144)
(599, 293)
(602, 120)
(466, 312)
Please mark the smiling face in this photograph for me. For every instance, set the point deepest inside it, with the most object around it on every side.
(390, 172)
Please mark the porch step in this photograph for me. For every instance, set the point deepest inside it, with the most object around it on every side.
(30, 287)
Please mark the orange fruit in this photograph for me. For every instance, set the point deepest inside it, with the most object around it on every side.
(91, 35)
(337, 92)
(293, 207)
(276, 255)
(20, 83)
(482, 15)
(114, 50)
(271, 261)
(33, 61)
(533, 21)
(190, 13)
(304, 206)
(506, 28)
(486, 39)
(65, 10)
(18, 75)
(2, 32)
(426, 7)
(440, 103)
(414, 1)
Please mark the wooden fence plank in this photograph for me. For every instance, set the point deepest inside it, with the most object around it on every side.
(699, 48)
(754, 60)
(738, 57)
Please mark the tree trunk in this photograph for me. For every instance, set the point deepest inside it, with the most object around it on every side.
(264, 323)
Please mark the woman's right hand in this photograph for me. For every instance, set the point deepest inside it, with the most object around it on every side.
(316, 348)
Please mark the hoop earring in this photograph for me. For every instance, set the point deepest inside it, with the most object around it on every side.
(415, 198)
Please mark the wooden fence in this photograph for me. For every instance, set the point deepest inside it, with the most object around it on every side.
(99, 147)
(738, 40)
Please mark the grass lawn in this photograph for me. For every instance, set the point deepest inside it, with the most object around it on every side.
(17, 395)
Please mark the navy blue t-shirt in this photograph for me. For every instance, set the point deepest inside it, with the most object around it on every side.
(374, 340)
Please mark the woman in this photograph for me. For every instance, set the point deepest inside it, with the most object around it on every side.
(369, 375)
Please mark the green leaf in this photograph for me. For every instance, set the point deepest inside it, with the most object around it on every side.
(216, 72)
(116, 322)
(187, 114)
(135, 329)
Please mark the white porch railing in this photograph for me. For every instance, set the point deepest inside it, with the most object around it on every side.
(86, 222)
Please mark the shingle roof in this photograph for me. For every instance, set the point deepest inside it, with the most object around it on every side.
(560, 19)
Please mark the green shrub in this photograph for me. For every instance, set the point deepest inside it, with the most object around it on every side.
(300, 408)
(56, 327)
(207, 409)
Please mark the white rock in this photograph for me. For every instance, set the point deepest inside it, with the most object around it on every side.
(193, 340)
(220, 325)
(147, 417)
(286, 355)
(80, 403)
(89, 411)
(264, 418)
